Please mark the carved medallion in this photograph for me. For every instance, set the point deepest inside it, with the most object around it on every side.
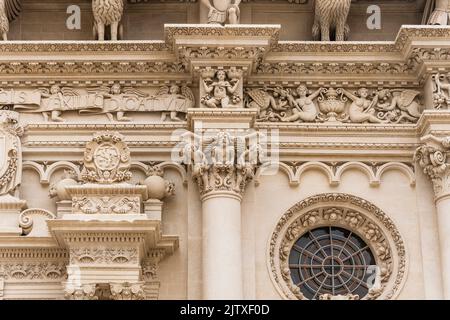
(106, 159)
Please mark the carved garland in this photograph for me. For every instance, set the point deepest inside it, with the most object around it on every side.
(350, 212)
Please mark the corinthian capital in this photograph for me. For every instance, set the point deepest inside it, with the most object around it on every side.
(81, 292)
(127, 291)
(225, 163)
(432, 156)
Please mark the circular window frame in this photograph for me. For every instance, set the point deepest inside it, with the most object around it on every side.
(345, 211)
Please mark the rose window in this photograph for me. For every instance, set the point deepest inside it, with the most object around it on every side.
(331, 260)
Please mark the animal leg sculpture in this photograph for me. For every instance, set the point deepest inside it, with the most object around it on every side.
(114, 30)
(101, 31)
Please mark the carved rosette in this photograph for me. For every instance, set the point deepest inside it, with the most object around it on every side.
(432, 158)
(106, 159)
(127, 291)
(349, 212)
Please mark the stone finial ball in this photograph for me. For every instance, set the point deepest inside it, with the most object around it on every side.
(156, 187)
(59, 189)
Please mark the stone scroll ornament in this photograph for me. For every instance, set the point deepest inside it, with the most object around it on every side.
(437, 12)
(9, 11)
(107, 15)
(223, 11)
(331, 18)
(106, 159)
(111, 101)
(362, 105)
(10, 152)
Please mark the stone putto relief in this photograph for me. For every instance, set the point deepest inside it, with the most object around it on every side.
(172, 101)
(221, 88)
(278, 104)
(107, 13)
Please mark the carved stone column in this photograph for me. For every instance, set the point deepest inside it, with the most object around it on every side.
(10, 173)
(433, 157)
(221, 166)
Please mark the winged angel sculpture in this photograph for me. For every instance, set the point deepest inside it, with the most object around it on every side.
(9, 11)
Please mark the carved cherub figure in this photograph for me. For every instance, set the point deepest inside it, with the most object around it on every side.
(9, 10)
(219, 89)
(117, 98)
(55, 102)
(175, 100)
(362, 108)
(223, 11)
(304, 107)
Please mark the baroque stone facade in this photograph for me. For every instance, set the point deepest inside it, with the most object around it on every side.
(132, 164)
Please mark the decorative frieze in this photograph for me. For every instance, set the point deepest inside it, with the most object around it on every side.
(110, 255)
(33, 270)
(278, 104)
(114, 100)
